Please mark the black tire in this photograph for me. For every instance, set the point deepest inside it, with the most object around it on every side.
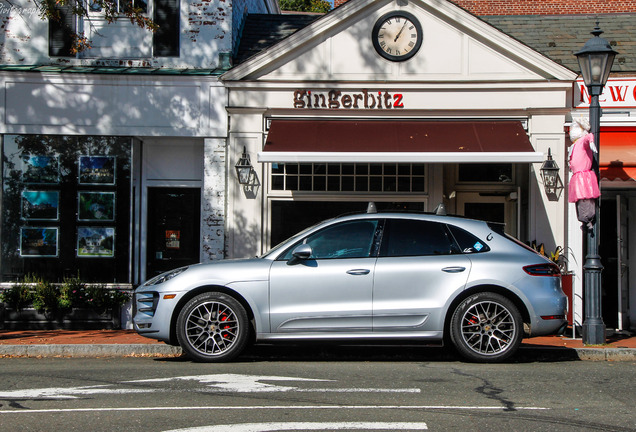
(486, 327)
(212, 327)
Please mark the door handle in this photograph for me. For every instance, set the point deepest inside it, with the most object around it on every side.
(453, 269)
(358, 272)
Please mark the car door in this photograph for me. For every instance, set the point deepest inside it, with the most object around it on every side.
(331, 290)
(418, 269)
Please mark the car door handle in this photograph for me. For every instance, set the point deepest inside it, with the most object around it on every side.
(357, 272)
(453, 269)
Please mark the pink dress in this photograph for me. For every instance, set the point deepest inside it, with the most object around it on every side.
(583, 184)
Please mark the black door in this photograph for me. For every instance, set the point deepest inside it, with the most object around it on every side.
(174, 216)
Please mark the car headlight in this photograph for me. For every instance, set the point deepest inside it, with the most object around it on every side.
(164, 277)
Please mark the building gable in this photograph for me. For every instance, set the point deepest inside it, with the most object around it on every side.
(457, 46)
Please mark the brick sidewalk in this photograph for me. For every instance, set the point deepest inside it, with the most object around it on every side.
(91, 337)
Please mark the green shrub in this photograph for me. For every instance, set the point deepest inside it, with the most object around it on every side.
(19, 295)
(72, 293)
(45, 297)
(101, 299)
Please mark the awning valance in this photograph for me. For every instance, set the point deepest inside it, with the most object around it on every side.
(377, 141)
(618, 154)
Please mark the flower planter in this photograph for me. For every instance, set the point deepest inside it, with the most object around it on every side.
(76, 319)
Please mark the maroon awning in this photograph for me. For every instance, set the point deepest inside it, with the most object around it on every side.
(403, 140)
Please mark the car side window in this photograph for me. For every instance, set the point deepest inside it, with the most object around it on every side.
(467, 242)
(353, 239)
(407, 237)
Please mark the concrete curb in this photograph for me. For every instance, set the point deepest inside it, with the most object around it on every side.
(96, 350)
(530, 353)
(584, 354)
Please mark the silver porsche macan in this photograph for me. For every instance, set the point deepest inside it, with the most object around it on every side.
(373, 277)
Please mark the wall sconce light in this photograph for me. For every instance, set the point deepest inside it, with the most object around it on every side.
(550, 175)
(244, 169)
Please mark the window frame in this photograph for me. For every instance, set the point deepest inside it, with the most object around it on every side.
(392, 174)
(453, 246)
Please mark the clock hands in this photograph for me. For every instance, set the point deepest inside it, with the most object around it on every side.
(400, 32)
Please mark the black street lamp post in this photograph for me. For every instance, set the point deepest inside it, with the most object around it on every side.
(595, 61)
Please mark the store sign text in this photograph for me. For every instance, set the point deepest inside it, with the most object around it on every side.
(335, 99)
(618, 93)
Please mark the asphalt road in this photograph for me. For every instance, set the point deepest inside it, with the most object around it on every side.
(364, 393)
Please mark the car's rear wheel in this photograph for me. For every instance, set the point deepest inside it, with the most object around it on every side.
(486, 327)
(212, 327)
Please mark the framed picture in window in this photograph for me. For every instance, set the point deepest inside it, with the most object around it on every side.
(40, 205)
(95, 242)
(40, 169)
(97, 170)
(38, 242)
(96, 206)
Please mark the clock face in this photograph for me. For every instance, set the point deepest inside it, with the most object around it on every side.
(397, 36)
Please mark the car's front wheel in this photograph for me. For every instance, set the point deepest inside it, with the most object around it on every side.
(486, 327)
(212, 327)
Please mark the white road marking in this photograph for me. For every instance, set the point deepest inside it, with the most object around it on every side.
(277, 407)
(359, 390)
(252, 384)
(237, 383)
(217, 382)
(264, 427)
(66, 392)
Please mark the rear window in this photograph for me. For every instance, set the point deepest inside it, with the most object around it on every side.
(467, 242)
(499, 229)
(522, 244)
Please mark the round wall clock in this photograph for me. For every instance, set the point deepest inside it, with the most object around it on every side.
(397, 36)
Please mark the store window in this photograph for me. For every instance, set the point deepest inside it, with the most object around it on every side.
(66, 208)
(485, 173)
(349, 177)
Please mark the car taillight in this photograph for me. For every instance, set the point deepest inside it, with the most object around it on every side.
(552, 317)
(547, 269)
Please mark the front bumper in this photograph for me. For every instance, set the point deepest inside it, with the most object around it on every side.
(153, 311)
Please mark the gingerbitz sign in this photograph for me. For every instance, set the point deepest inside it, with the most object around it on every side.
(618, 93)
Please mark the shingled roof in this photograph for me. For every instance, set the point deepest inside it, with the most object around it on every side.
(555, 36)
(558, 37)
(261, 31)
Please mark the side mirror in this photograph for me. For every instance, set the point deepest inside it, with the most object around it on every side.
(300, 253)
(303, 252)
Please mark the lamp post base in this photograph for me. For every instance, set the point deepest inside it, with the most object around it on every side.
(593, 332)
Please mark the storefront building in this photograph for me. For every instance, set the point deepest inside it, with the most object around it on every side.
(114, 158)
(331, 120)
(119, 163)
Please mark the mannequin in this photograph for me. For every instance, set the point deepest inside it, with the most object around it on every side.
(583, 189)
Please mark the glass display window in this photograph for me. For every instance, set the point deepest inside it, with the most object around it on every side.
(66, 208)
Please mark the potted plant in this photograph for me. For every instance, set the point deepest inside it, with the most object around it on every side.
(560, 259)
